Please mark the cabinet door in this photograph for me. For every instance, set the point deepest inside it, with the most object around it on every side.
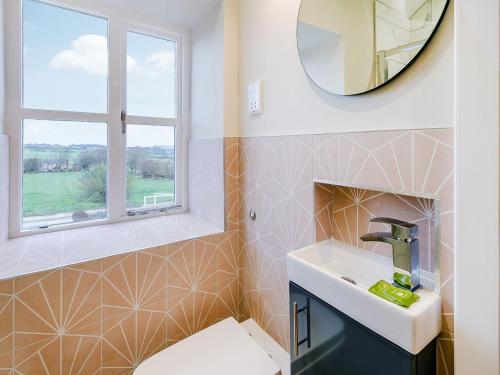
(333, 343)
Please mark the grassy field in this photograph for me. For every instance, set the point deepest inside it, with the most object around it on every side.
(71, 156)
(50, 193)
(141, 187)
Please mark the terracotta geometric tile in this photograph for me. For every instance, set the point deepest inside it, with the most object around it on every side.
(192, 281)
(196, 311)
(134, 307)
(231, 186)
(42, 357)
(81, 355)
(256, 263)
(151, 333)
(228, 299)
(134, 338)
(7, 325)
(446, 221)
(58, 321)
(151, 282)
(81, 302)
(323, 194)
(160, 251)
(447, 295)
(253, 305)
(276, 287)
(407, 162)
(37, 326)
(161, 295)
(228, 272)
(353, 208)
(448, 322)
(228, 256)
(119, 345)
(276, 182)
(119, 281)
(279, 330)
(445, 354)
(191, 266)
(446, 263)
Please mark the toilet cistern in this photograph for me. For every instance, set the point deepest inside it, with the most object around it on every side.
(405, 250)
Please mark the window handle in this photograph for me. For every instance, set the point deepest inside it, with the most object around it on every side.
(124, 122)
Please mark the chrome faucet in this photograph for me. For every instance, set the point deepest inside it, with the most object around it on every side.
(405, 252)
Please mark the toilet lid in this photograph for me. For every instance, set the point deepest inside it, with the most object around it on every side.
(222, 349)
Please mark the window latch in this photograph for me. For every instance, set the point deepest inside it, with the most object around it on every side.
(124, 122)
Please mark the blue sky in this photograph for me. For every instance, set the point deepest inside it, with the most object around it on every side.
(66, 68)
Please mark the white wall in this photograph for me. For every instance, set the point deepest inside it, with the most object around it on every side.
(477, 343)
(214, 114)
(214, 84)
(421, 98)
(4, 142)
(207, 90)
(231, 68)
(2, 70)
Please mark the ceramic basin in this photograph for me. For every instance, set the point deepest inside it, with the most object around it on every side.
(323, 268)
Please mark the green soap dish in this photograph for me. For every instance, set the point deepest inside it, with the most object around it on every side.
(399, 296)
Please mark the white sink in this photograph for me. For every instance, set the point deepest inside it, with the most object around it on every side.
(320, 269)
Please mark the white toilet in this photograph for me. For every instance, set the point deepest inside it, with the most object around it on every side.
(222, 349)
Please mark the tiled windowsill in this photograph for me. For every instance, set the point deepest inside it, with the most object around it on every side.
(42, 252)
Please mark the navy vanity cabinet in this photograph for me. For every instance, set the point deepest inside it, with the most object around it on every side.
(331, 343)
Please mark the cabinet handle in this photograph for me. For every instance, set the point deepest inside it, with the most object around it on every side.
(296, 329)
(296, 312)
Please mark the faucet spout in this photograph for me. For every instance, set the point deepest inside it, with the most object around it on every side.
(378, 237)
(405, 249)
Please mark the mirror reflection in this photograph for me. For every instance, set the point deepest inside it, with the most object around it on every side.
(348, 47)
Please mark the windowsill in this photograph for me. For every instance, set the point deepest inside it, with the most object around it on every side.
(47, 251)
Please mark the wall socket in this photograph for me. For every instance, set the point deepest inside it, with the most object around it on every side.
(255, 98)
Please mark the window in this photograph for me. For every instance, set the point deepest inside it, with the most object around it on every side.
(93, 145)
(151, 166)
(64, 71)
(64, 172)
(151, 99)
(151, 72)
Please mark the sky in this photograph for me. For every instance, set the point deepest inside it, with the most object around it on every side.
(66, 68)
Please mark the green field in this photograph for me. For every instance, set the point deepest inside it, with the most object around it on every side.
(29, 153)
(51, 193)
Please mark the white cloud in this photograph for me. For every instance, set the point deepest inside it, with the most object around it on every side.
(155, 65)
(132, 64)
(88, 53)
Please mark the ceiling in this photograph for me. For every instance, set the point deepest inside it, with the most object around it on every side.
(184, 12)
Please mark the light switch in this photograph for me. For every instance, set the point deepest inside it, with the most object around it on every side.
(255, 98)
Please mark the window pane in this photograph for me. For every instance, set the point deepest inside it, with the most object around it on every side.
(65, 172)
(151, 78)
(151, 166)
(65, 59)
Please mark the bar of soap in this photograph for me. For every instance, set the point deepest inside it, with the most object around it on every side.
(399, 296)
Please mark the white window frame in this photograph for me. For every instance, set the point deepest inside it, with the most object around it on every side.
(118, 26)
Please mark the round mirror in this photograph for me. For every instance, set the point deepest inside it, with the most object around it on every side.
(349, 47)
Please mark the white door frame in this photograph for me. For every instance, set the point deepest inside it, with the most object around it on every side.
(477, 263)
